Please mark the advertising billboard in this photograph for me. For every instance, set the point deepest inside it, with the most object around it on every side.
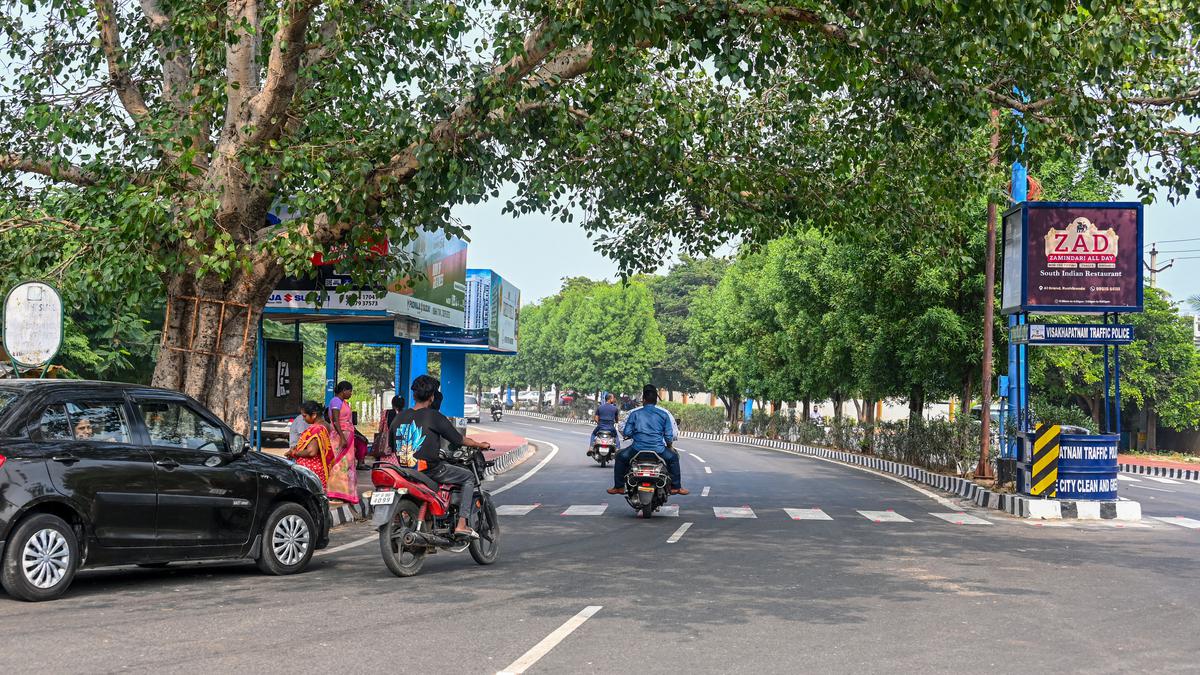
(436, 296)
(491, 315)
(1073, 257)
(284, 383)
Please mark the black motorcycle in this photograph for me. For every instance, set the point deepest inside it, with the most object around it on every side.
(604, 447)
(497, 412)
(648, 483)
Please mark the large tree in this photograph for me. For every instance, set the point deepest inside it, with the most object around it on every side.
(179, 124)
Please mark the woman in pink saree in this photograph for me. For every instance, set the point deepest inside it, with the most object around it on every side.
(343, 478)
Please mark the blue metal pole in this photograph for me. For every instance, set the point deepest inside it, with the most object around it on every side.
(1117, 382)
(259, 391)
(454, 382)
(397, 375)
(331, 361)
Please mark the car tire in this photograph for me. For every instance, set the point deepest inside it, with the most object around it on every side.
(41, 559)
(288, 540)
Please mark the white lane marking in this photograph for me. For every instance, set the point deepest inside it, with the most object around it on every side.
(733, 512)
(678, 533)
(580, 433)
(585, 510)
(550, 641)
(896, 479)
(1158, 479)
(515, 509)
(884, 517)
(1045, 523)
(961, 518)
(343, 547)
(669, 511)
(708, 469)
(528, 474)
(704, 492)
(1128, 479)
(1189, 523)
(543, 426)
(698, 457)
(1147, 487)
(807, 514)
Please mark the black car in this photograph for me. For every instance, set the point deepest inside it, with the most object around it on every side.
(97, 473)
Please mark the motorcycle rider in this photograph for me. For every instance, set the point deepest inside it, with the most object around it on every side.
(606, 418)
(423, 421)
(497, 406)
(652, 429)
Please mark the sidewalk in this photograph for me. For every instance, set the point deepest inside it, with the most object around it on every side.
(1159, 467)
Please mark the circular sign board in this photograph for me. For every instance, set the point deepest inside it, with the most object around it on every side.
(33, 324)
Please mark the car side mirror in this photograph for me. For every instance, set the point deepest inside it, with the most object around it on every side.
(240, 445)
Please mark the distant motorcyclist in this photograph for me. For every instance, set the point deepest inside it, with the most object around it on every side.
(606, 417)
(653, 430)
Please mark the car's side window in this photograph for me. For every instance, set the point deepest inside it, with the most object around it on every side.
(100, 421)
(172, 424)
(54, 425)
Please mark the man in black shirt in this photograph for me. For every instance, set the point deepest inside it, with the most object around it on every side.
(419, 432)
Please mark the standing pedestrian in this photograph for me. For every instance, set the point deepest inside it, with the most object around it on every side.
(343, 477)
(385, 441)
(312, 449)
(298, 425)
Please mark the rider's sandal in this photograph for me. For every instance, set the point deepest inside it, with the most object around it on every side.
(468, 533)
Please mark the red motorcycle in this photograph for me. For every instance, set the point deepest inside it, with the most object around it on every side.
(415, 516)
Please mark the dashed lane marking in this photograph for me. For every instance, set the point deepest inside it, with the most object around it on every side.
(1158, 479)
(669, 511)
(585, 510)
(698, 457)
(733, 512)
(515, 509)
(961, 518)
(550, 641)
(808, 514)
(1127, 479)
(543, 426)
(704, 492)
(1189, 523)
(353, 544)
(884, 517)
(678, 533)
(708, 469)
(1147, 487)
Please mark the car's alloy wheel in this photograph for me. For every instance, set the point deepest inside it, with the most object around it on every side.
(41, 558)
(290, 540)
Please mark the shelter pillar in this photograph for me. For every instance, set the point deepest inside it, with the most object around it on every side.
(454, 382)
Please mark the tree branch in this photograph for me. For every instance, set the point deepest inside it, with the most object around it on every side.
(283, 66)
(60, 171)
(240, 63)
(118, 71)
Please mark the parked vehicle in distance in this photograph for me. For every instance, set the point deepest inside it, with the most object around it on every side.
(471, 409)
(277, 430)
(99, 473)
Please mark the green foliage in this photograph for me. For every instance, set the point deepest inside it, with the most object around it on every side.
(679, 370)
(697, 417)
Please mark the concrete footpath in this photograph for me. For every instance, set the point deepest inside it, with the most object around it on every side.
(1164, 468)
(508, 451)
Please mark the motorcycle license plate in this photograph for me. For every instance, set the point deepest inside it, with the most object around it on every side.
(382, 498)
(645, 488)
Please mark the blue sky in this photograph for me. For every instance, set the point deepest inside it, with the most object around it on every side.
(535, 252)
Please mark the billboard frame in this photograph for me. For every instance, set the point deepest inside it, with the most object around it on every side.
(1025, 306)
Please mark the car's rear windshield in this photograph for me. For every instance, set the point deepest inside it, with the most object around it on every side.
(7, 396)
(470, 400)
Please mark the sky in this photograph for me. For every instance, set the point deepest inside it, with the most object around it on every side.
(535, 252)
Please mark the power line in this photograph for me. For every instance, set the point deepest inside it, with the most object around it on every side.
(1170, 241)
(1185, 250)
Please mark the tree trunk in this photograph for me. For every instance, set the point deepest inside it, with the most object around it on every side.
(968, 386)
(916, 406)
(837, 406)
(807, 409)
(1151, 427)
(858, 411)
(209, 338)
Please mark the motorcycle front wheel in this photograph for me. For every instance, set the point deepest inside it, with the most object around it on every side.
(486, 549)
(400, 560)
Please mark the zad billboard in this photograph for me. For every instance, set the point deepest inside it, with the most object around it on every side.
(1072, 257)
(437, 295)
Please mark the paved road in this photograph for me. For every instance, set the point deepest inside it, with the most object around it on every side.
(833, 592)
(1162, 497)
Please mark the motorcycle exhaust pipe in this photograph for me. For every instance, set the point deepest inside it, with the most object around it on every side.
(426, 539)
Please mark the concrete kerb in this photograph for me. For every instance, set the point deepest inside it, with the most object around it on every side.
(1016, 505)
(1192, 475)
(349, 513)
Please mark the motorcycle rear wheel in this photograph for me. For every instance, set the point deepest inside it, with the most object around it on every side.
(486, 549)
(399, 560)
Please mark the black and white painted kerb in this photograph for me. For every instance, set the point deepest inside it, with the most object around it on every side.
(1017, 505)
(1162, 471)
(348, 513)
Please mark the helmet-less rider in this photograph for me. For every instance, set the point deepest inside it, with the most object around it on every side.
(606, 417)
(433, 427)
(652, 429)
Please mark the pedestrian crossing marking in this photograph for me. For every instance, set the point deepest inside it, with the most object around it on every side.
(961, 518)
(704, 492)
(808, 514)
(1157, 479)
(585, 510)
(1189, 523)
(515, 509)
(884, 516)
(708, 469)
(669, 511)
(733, 512)
(1127, 479)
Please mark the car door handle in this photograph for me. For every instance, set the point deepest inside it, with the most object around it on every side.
(167, 463)
(65, 459)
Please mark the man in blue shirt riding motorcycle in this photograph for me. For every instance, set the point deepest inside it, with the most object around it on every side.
(606, 417)
(652, 429)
